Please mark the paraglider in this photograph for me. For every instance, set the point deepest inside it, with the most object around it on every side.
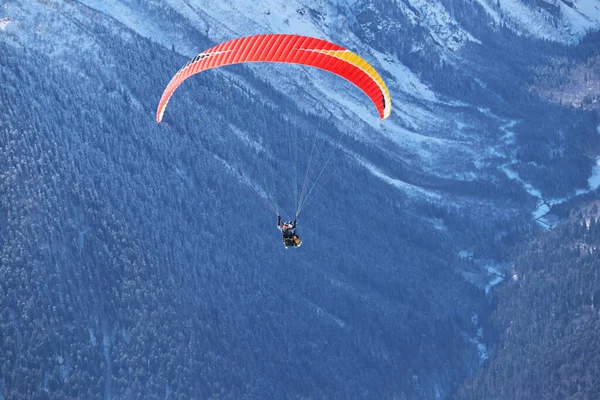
(291, 49)
(288, 233)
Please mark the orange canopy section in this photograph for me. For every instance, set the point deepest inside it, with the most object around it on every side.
(293, 49)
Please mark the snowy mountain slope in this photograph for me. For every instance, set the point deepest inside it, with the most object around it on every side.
(228, 19)
(552, 20)
(125, 239)
(136, 241)
(316, 85)
(417, 108)
(432, 142)
(416, 105)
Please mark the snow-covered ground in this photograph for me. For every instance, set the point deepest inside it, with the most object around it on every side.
(478, 339)
(397, 183)
(594, 179)
(568, 25)
(445, 31)
(4, 22)
(544, 204)
(418, 126)
(495, 277)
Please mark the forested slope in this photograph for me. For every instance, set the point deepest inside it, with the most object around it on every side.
(547, 319)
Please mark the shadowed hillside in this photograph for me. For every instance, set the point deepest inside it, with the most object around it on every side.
(547, 319)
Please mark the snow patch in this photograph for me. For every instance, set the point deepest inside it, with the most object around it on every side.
(403, 186)
(509, 135)
(4, 22)
(437, 393)
(495, 276)
(481, 347)
(81, 239)
(582, 17)
(539, 214)
(568, 25)
(46, 386)
(439, 224)
(543, 207)
(64, 367)
(406, 80)
(594, 179)
(491, 12)
(93, 337)
(465, 254)
(324, 313)
(515, 176)
(478, 339)
(444, 30)
(244, 137)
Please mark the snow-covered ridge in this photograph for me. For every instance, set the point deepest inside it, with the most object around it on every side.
(445, 31)
(397, 183)
(314, 90)
(419, 131)
(563, 21)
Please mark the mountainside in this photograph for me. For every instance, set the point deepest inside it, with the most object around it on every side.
(136, 261)
(547, 319)
(455, 69)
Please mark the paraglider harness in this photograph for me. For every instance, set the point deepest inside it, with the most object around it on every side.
(288, 232)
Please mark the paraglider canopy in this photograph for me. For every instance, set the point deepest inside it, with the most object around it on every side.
(294, 49)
